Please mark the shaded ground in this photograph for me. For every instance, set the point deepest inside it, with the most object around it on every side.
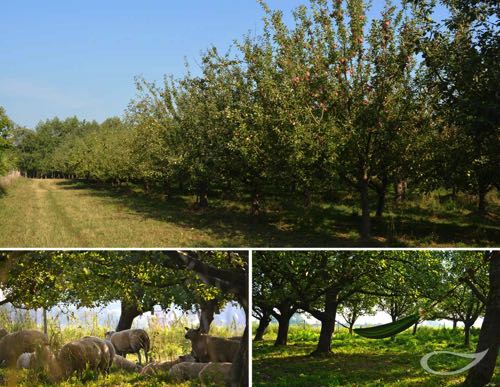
(361, 362)
(65, 213)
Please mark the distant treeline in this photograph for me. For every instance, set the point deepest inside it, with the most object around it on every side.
(330, 105)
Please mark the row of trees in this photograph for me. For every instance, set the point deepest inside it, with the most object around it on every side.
(328, 105)
(326, 285)
(202, 281)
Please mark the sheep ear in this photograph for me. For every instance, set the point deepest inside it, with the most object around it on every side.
(186, 328)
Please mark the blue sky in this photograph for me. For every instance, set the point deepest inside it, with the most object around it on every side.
(77, 57)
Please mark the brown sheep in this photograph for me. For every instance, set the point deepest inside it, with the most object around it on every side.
(208, 348)
(14, 344)
(186, 370)
(163, 366)
(126, 365)
(79, 355)
(130, 341)
(216, 374)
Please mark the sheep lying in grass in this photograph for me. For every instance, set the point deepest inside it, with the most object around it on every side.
(26, 361)
(14, 344)
(43, 359)
(126, 365)
(163, 366)
(216, 374)
(130, 341)
(79, 355)
(3, 332)
(186, 370)
(208, 348)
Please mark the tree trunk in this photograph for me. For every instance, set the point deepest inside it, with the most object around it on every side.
(324, 347)
(454, 324)
(399, 190)
(380, 203)
(45, 325)
(481, 207)
(202, 198)
(365, 210)
(239, 369)
(489, 337)
(283, 325)
(263, 324)
(415, 328)
(127, 315)
(467, 327)
(207, 312)
(255, 211)
(351, 326)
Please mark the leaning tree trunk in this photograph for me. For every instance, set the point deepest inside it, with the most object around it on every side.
(415, 328)
(283, 326)
(324, 347)
(264, 322)
(489, 337)
(239, 369)
(127, 315)
(207, 312)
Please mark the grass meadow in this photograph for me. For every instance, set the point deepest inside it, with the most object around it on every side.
(68, 213)
(167, 343)
(357, 361)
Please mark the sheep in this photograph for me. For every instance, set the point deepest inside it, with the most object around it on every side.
(14, 344)
(130, 341)
(43, 359)
(127, 365)
(212, 349)
(26, 361)
(156, 367)
(186, 370)
(3, 332)
(78, 355)
(107, 350)
(216, 374)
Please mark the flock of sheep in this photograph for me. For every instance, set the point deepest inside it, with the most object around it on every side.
(210, 359)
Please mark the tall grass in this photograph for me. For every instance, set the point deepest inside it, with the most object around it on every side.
(167, 343)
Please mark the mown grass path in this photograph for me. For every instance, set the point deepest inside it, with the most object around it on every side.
(48, 213)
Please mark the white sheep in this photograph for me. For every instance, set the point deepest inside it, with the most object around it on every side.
(163, 366)
(26, 361)
(130, 341)
(79, 355)
(216, 374)
(14, 344)
(107, 349)
(186, 370)
(126, 365)
(208, 348)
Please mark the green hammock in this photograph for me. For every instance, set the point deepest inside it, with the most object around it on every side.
(388, 330)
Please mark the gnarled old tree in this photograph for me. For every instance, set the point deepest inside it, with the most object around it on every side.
(233, 280)
(489, 337)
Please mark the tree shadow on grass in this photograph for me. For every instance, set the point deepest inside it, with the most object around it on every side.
(318, 225)
(343, 369)
(226, 221)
